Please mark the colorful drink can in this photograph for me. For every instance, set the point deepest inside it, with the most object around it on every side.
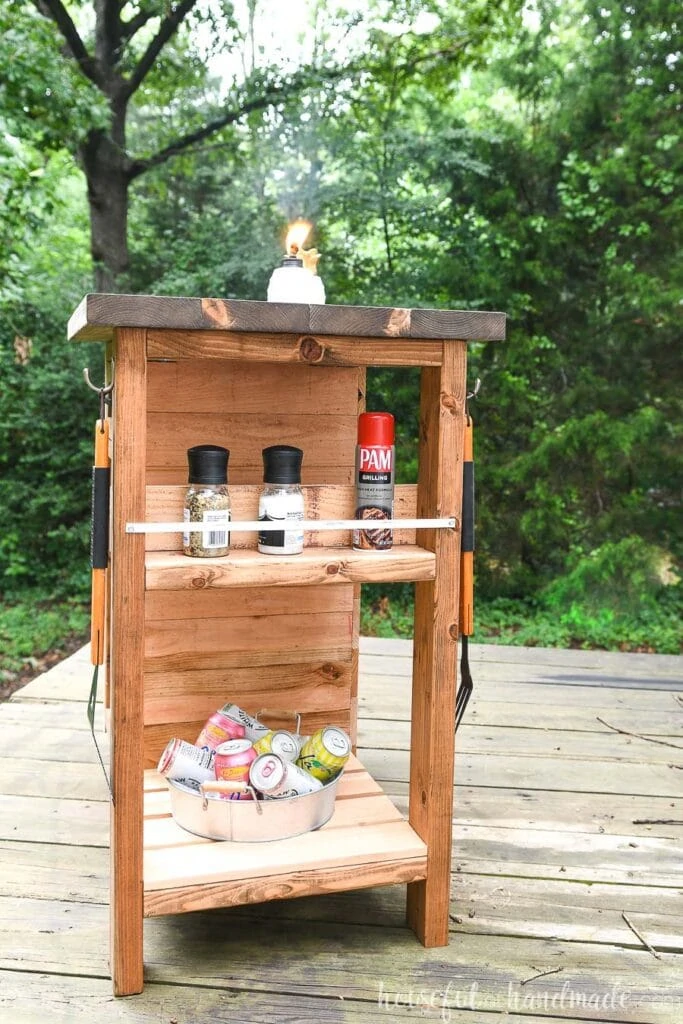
(232, 762)
(219, 729)
(276, 778)
(281, 742)
(187, 764)
(325, 753)
(253, 729)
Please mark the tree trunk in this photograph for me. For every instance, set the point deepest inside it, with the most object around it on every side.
(106, 172)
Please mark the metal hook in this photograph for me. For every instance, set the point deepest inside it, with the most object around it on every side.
(472, 394)
(103, 392)
(477, 388)
(107, 390)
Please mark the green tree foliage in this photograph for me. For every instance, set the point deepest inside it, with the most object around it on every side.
(582, 409)
(478, 159)
(125, 92)
(544, 188)
(46, 414)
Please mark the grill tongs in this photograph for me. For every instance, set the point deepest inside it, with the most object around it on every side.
(466, 573)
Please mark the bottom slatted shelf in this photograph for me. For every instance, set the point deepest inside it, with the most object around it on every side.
(366, 842)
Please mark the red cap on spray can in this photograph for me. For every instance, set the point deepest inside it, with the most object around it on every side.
(375, 429)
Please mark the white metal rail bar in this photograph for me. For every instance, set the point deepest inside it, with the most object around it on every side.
(277, 525)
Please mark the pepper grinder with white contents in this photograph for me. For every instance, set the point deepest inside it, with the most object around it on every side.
(282, 500)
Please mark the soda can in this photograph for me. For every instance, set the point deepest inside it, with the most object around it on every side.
(281, 742)
(186, 764)
(276, 778)
(325, 753)
(219, 729)
(232, 763)
(253, 729)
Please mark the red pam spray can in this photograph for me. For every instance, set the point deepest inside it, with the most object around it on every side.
(375, 464)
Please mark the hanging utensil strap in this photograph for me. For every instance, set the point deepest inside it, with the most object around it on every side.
(466, 615)
(92, 704)
(467, 535)
(99, 540)
(99, 558)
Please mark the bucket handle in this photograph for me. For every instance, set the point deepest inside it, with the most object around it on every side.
(226, 786)
(280, 714)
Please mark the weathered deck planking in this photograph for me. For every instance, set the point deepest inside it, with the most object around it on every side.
(68, 1000)
(561, 827)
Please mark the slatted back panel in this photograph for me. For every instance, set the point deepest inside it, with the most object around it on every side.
(246, 407)
(165, 503)
(281, 648)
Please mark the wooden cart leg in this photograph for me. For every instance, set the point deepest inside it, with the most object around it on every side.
(353, 714)
(436, 630)
(127, 652)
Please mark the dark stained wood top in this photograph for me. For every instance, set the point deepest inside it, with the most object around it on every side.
(98, 315)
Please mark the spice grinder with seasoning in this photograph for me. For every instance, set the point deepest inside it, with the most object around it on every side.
(207, 501)
(374, 480)
(282, 500)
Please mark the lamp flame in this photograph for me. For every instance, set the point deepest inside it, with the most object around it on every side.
(297, 233)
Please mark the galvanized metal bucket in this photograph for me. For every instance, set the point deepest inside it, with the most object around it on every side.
(251, 821)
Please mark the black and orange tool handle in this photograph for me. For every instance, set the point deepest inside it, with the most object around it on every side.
(467, 535)
(99, 540)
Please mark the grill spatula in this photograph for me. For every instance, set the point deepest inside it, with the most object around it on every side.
(466, 574)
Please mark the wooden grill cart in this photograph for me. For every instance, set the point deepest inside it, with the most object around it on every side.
(186, 635)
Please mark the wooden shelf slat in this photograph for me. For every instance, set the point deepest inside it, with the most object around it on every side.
(366, 842)
(172, 570)
(314, 882)
(322, 350)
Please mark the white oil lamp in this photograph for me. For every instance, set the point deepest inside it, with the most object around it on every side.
(296, 279)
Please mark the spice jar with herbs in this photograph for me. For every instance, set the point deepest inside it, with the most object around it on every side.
(207, 501)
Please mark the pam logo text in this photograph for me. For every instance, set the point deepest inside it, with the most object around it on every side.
(375, 460)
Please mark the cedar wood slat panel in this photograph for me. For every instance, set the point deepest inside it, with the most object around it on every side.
(336, 501)
(321, 350)
(246, 407)
(169, 570)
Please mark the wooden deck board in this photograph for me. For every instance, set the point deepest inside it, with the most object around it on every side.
(560, 827)
(266, 954)
(379, 704)
(70, 1000)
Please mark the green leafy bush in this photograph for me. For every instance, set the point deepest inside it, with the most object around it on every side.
(46, 426)
(655, 629)
(572, 616)
(36, 625)
(620, 577)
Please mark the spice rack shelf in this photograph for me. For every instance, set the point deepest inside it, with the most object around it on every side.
(366, 842)
(172, 570)
(184, 635)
